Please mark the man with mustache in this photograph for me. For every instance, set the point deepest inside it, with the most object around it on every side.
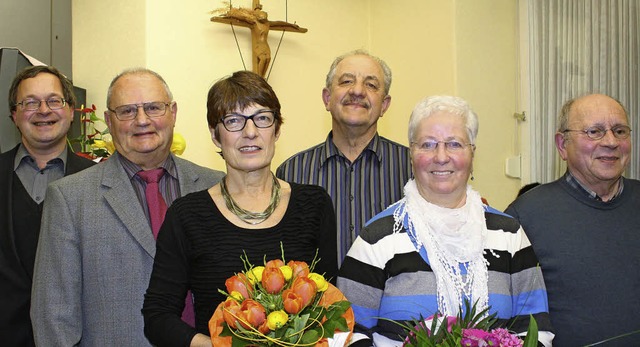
(362, 171)
(41, 102)
(584, 227)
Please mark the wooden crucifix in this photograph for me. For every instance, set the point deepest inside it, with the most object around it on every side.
(256, 20)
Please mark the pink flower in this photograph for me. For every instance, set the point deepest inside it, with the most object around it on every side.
(272, 280)
(274, 263)
(300, 268)
(506, 338)
(239, 283)
(305, 288)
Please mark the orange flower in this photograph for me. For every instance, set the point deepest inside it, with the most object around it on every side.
(230, 312)
(300, 268)
(305, 288)
(272, 280)
(292, 302)
(251, 312)
(264, 327)
(239, 283)
(274, 263)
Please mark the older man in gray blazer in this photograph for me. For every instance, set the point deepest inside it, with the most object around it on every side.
(96, 247)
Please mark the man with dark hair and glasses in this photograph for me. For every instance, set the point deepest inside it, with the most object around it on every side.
(97, 241)
(41, 105)
(585, 227)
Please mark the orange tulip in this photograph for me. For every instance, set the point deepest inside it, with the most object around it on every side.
(230, 312)
(252, 313)
(305, 288)
(264, 328)
(300, 268)
(274, 263)
(292, 302)
(272, 280)
(239, 283)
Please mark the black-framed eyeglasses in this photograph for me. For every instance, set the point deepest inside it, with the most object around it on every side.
(620, 132)
(236, 122)
(54, 103)
(151, 109)
(450, 146)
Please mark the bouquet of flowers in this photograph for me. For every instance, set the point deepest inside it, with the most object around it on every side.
(279, 305)
(470, 329)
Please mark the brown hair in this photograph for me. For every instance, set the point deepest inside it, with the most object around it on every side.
(33, 71)
(239, 91)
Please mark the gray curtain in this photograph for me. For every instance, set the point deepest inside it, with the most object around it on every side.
(578, 47)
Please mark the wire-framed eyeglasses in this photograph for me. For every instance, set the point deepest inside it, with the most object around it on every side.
(236, 122)
(620, 132)
(450, 146)
(54, 103)
(151, 109)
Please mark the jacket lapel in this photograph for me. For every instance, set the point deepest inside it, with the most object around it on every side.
(186, 177)
(7, 237)
(121, 197)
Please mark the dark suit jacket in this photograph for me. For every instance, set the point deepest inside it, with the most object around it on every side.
(15, 271)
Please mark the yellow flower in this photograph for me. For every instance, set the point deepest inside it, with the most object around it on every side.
(108, 140)
(236, 295)
(98, 144)
(255, 274)
(287, 271)
(321, 283)
(277, 319)
(179, 144)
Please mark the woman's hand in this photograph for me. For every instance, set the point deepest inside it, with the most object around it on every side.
(201, 340)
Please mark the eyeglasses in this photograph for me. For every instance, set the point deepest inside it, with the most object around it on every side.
(620, 132)
(54, 103)
(151, 109)
(236, 122)
(451, 146)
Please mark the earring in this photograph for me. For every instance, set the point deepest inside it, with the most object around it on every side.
(472, 175)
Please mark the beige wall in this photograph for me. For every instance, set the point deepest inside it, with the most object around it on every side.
(463, 47)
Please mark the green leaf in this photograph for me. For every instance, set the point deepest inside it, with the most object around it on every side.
(311, 336)
(532, 334)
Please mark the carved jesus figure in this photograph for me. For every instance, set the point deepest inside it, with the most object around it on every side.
(260, 25)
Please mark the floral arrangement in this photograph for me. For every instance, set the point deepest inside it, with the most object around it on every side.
(472, 329)
(279, 305)
(94, 144)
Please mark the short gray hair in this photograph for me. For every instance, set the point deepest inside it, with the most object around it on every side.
(563, 117)
(454, 105)
(385, 68)
(137, 71)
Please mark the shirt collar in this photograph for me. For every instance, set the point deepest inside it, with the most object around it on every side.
(132, 169)
(330, 149)
(22, 153)
(573, 182)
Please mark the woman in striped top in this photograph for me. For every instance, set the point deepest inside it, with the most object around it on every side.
(440, 245)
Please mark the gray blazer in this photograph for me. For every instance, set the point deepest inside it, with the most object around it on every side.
(95, 256)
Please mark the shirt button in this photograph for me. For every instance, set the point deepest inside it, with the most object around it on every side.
(38, 198)
(351, 227)
(351, 197)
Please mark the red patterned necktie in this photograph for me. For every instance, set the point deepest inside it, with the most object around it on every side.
(155, 202)
(157, 210)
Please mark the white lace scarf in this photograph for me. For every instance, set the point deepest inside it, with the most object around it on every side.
(454, 240)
